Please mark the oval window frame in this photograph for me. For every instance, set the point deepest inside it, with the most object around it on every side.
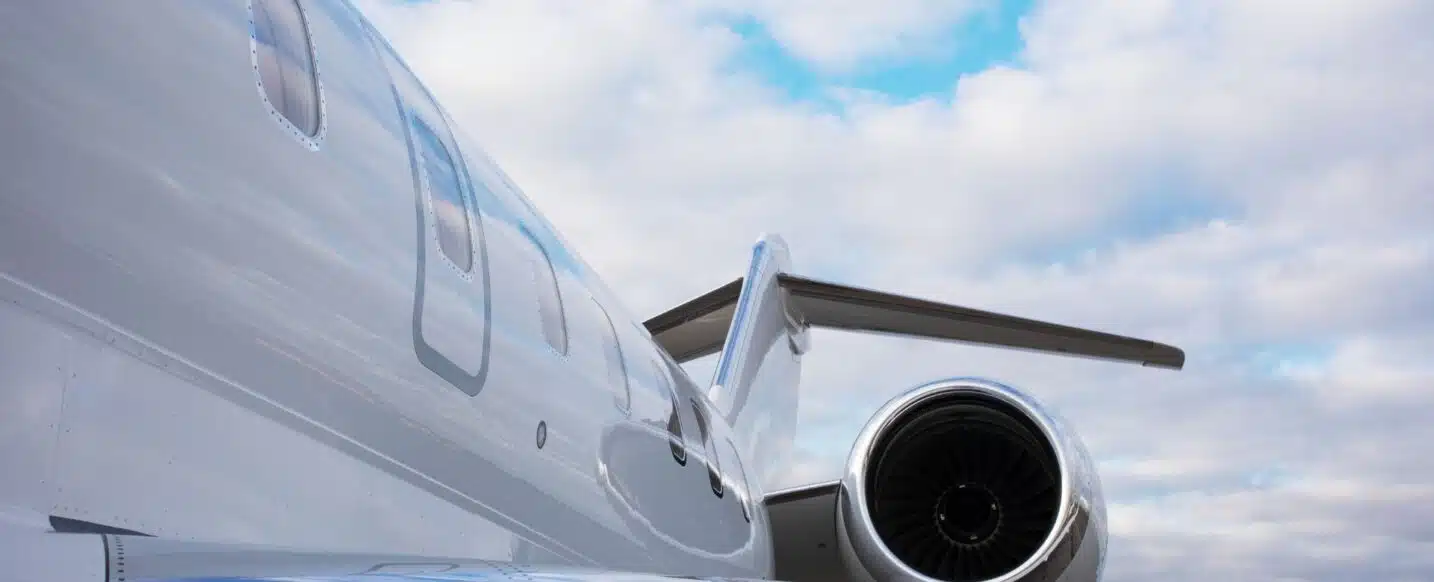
(311, 142)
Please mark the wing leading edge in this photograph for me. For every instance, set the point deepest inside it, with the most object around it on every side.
(698, 327)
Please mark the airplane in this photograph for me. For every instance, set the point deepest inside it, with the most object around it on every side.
(267, 312)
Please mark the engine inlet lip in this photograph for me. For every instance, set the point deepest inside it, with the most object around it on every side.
(868, 547)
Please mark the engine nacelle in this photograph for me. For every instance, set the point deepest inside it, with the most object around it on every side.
(970, 480)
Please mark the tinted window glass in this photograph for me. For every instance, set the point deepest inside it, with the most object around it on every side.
(674, 416)
(745, 489)
(550, 300)
(714, 467)
(450, 207)
(284, 59)
(616, 369)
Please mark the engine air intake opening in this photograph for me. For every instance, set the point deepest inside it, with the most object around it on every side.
(964, 489)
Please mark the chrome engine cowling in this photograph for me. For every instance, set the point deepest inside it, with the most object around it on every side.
(970, 480)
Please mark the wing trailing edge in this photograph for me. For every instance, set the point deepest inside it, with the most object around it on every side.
(699, 327)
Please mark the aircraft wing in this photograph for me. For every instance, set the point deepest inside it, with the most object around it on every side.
(698, 327)
(87, 557)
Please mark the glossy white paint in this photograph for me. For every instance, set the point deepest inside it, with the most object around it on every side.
(34, 361)
(213, 331)
(27, 555)
(366, 345)
(754, 381)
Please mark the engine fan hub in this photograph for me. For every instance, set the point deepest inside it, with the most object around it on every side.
(968, 514)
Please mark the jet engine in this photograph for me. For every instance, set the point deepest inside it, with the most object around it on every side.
(970, 480)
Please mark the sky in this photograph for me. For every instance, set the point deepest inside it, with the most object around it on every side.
(1250, 180)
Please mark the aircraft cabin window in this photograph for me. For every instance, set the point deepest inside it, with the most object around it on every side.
(448, 205)
(283, 58)
(616, 368)
(744, 492)
(674, 415)
(550, 299)
(714, 467)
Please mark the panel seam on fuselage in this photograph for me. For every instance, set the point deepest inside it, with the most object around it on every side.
(97, 327)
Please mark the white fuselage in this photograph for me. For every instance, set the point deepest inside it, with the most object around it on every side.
(215, 327)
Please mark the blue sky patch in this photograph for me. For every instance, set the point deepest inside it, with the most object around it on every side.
(989, 37)
(1169, 198)
(1293, 358)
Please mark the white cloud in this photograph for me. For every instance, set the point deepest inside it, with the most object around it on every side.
(839, 35)
(1299, 131)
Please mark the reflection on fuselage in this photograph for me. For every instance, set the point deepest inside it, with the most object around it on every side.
(243, 307)
(712, 526)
